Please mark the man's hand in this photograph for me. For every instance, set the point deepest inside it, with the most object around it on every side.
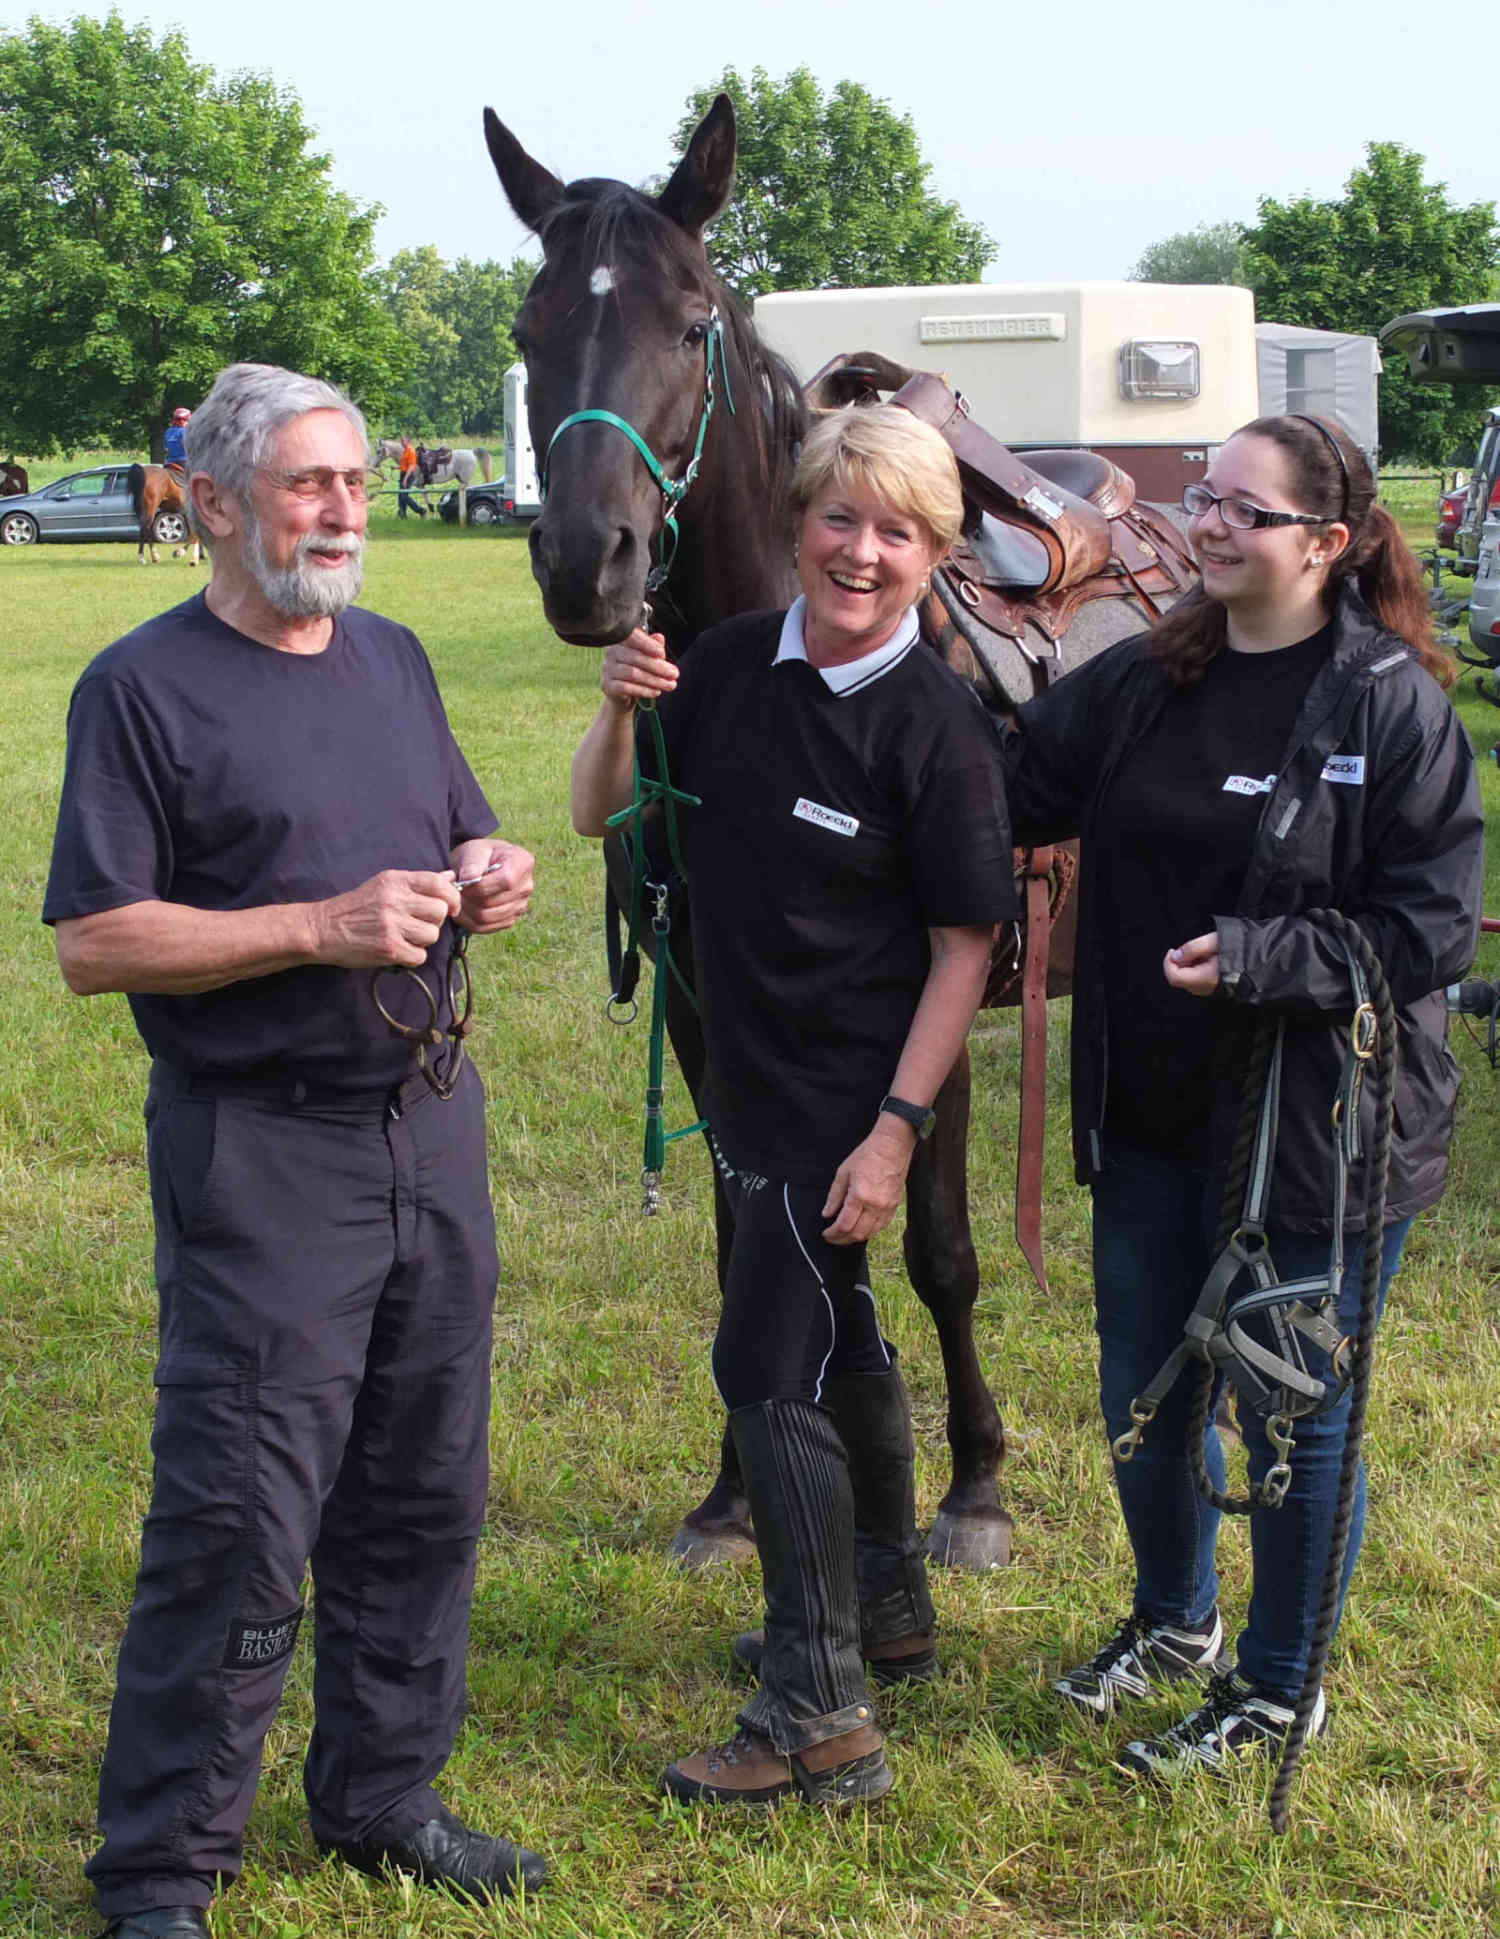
(1194, 966)
(868, 1186)
(393, 919)
(496, 880)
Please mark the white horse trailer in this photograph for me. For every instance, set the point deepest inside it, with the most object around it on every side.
(1153, 375)
(523, 496)
(1321, 373)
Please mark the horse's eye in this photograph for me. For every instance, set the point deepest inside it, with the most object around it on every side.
(695, 334)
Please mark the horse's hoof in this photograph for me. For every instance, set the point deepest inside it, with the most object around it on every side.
(973, 1543)
(705, 1548)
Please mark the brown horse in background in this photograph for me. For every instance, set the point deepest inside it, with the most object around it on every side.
(14, 479)
(159, 495)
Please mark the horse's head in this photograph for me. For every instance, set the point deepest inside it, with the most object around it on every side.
(618, 320)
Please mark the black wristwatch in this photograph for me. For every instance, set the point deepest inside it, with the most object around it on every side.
(921, 1117)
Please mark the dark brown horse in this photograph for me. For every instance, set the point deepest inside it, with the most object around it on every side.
(14, 479)
(627, 321)
(160, 499)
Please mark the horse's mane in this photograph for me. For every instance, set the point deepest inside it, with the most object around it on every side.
(606, 219)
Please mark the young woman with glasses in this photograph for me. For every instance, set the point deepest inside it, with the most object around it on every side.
(1279, 743)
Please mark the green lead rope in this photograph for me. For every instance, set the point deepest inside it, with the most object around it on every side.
(649, 790)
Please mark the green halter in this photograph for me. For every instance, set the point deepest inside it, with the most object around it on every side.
(673, 490)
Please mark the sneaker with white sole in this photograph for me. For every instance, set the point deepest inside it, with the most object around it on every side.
(1235, 1721)
(1139, 1655)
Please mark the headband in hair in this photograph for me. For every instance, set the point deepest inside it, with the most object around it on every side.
(1333, 444)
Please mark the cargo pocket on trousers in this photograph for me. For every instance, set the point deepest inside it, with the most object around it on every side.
(184, 1139)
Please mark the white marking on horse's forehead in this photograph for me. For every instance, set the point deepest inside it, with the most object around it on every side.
(602, 281)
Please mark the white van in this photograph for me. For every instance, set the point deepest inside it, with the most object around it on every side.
(523, 495)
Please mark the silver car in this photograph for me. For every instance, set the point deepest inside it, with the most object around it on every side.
(1484, 601)
(87, 505)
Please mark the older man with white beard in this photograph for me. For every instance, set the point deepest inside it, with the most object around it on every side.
(264, 808)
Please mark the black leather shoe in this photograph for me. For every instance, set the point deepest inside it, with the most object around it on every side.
(160, 1922)
(445, 1852)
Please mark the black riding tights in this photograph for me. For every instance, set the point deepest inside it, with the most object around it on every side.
(796, 1310)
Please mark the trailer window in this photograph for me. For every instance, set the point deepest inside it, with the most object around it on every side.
(1158, 368)
(1312, 383)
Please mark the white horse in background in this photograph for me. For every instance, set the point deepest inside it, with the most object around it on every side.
(439, 464)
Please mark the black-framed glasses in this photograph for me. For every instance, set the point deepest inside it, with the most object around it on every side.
(442, 1070)
(1239, 514)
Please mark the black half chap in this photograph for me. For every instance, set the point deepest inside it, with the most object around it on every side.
(797, 1312)
(326, 1278)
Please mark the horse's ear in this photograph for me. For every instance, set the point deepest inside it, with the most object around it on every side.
(532, 191)
(703, 180)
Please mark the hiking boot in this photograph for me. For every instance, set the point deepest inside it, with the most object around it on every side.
(906, 1659)
(1235, 1721)
(840, 1771)
(1139, 1654)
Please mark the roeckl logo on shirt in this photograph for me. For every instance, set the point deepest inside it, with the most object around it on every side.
(1247, 784)
(822, 817)
(1348, 768)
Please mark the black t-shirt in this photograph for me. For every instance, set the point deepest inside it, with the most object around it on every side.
(205, 768)
(1176, 835)
(835, 830)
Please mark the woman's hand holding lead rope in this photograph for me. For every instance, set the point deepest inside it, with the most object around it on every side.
(636, 668)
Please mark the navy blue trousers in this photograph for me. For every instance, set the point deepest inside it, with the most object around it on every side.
(1154, 1224)
(327, 1273)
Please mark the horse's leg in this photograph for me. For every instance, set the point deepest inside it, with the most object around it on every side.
(972, 1530)
(718, 1529)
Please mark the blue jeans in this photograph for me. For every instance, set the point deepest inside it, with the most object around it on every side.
(1154, 1224)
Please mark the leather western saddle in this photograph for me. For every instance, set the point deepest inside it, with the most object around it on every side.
(1042, 536)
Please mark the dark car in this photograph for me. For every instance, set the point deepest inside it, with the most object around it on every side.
(85, 505)
(486, 504)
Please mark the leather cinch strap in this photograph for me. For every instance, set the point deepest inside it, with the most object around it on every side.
(1033, 1126)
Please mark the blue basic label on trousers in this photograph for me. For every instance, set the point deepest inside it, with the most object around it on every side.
(252, 1645)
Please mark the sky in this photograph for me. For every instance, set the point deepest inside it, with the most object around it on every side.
(1076, 135)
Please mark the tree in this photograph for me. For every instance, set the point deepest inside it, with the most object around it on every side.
(156, 224)
(1211, 253)
(830, 193)
(457, 318)
(1394, 244)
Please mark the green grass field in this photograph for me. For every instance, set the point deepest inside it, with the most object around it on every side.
(594, 1662)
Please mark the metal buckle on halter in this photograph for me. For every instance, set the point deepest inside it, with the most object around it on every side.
(1279, 1475)
(1249, 1244)
(1143, 1413)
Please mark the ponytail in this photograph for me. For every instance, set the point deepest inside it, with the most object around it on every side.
(1389, 579)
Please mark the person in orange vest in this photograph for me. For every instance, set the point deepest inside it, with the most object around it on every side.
(409, 476)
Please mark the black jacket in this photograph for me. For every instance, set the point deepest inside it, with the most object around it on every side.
(1402, 852)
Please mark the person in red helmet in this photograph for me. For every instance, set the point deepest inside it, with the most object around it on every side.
(174, 443)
